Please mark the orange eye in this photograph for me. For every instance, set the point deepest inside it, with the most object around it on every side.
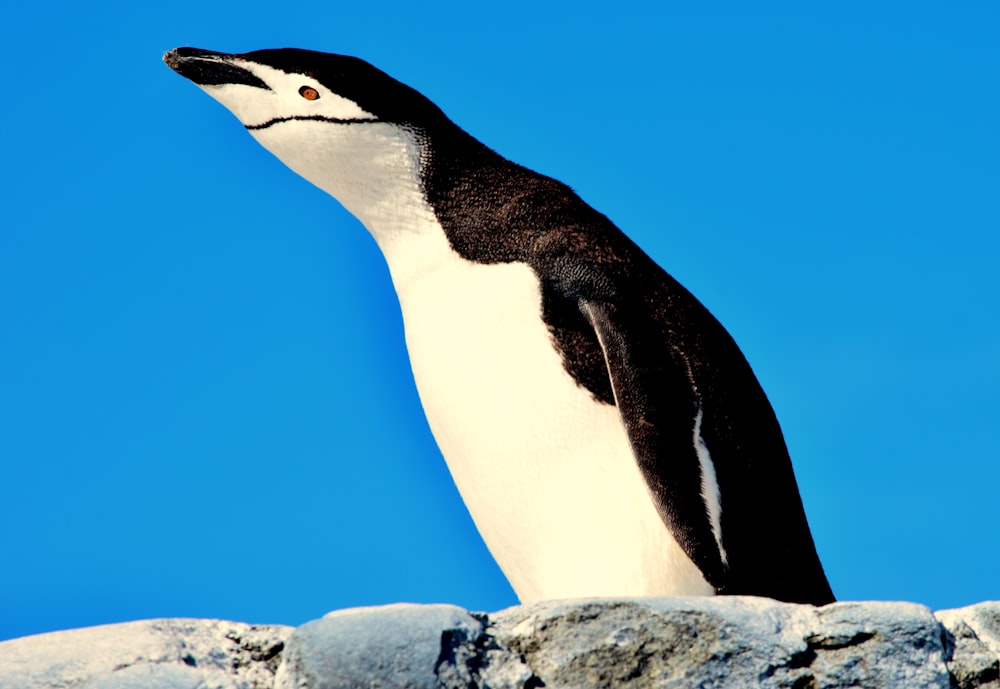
(309, 93)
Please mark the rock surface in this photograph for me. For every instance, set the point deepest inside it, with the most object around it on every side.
(152, 654)
(973, 644)
(621, 643)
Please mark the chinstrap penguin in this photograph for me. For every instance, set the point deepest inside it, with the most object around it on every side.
(606, 433)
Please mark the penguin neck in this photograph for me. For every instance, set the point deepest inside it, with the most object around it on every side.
(373, 170)
(448, 195)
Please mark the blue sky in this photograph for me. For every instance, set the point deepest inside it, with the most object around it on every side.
(205, 404)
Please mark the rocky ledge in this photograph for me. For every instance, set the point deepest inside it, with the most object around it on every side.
(627, 643)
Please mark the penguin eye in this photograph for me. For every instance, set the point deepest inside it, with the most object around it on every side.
(309, 93)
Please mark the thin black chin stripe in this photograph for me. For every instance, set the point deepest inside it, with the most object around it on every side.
(318, 118)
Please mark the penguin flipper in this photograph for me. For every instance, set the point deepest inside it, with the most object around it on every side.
(660, 413)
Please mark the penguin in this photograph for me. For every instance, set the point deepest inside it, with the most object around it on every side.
(606, 433)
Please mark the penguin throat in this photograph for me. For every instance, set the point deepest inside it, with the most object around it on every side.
(371, 168)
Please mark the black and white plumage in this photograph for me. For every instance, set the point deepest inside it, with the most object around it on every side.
(604, 430)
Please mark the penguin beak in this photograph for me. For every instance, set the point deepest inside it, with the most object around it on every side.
(209, 68)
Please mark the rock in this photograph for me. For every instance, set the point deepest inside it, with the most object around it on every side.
(727, 642)
(152, 654)
(972, 637)
(398, 647)
(399, 644)
(730, 642)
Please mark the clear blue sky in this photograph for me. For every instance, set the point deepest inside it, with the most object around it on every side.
(205, 405)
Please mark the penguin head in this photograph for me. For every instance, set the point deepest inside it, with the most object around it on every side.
(264, 88)
(336, 120)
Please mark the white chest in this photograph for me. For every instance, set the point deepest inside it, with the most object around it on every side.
(545, 470)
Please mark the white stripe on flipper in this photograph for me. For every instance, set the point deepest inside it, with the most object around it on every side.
(709, 486)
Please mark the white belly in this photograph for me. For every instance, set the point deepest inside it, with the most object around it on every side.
(545, 470)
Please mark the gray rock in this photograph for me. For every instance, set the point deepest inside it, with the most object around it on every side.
(723, 643)
(152, 654)
(726, 642)
(972, 637)
(392, 647)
